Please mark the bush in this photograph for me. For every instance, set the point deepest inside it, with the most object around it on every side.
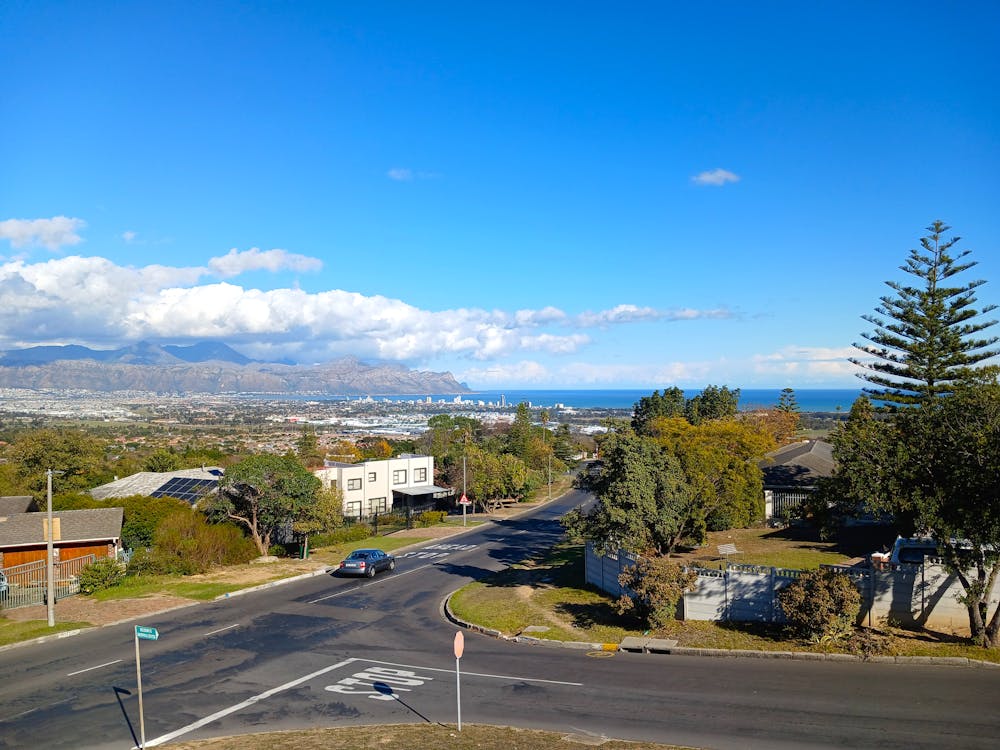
(101, 574)
(821, 604)
(657, 586)
(431, 517)
(353, 533)
(185, 543)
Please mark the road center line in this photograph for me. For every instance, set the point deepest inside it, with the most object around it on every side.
(472, 674)
(370, 583)
(248, 702)
(88, 669)
(220, 630)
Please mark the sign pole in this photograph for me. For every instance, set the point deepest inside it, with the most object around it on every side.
(459, 648)
(138, 682)
(144, 633)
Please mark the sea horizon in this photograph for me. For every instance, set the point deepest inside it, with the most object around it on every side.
(808, 399)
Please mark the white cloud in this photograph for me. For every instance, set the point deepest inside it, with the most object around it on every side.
(715, 177)
(632, 314)
(129, 235)
(53, 233)
(805, 363)
(236, 262)
(93, 301)
(400, 174)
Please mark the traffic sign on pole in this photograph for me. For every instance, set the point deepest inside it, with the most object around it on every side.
(146, 634)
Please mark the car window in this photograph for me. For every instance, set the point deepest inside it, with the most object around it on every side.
(359, 555)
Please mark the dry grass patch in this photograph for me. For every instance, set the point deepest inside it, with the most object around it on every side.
(411, 737)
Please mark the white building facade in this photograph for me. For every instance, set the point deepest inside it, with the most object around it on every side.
(375, 487)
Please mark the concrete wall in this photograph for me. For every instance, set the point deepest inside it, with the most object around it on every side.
(912, 595)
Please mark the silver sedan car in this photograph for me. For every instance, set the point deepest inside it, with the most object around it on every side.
(366, 562)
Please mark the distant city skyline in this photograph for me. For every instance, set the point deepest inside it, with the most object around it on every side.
(525, 195)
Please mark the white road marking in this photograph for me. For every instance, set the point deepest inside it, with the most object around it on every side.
(220, 630)
(366, 585)
(88, 669)
(312, 675)
(474, 674)
(248, 702)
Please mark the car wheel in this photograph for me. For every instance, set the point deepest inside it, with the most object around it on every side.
(392, 565)
(371, 572)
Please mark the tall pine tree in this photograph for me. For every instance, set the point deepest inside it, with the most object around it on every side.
(927, 336)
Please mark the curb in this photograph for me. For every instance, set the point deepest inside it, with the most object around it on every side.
(718, 653)
(446, 612)
(271, 584)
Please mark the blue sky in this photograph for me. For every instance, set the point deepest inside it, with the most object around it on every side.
(524, 194)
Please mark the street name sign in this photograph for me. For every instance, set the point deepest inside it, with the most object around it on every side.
(146, 634)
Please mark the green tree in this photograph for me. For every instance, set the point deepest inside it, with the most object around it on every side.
(714, 402)
(668, 404)
(265, 493)
(308, 449)
(519, 435)
(326, 514)
(927, 335)
(644, 504)
(787, 401)
(162, 460)
(719, 462)
(79, 456)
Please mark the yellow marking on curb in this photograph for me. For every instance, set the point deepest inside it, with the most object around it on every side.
(609, 646)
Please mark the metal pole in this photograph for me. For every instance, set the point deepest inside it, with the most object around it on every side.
(464, 506)
(49, 567)
(458, 694)
(138, 683)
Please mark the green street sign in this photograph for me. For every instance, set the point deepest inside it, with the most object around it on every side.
(146, 634)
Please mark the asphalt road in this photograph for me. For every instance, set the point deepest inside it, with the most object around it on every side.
(335, 652)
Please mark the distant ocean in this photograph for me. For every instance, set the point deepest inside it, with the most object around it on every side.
(809, 400)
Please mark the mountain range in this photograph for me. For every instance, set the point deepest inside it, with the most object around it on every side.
(208, 367)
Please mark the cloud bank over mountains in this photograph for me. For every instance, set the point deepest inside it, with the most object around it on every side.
(93, 301)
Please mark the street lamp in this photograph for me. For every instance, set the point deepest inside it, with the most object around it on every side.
(49, 567)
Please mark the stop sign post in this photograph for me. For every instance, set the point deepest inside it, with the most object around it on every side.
(459, 649)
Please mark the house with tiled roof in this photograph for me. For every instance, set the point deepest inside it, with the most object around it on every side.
(791, 473)
(76, 533)
(185, 484)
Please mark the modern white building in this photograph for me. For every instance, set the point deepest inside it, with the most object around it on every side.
(404, 482)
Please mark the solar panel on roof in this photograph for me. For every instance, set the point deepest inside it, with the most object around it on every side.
(186, 488)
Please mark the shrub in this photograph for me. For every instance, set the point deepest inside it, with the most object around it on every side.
(821, 604)
(353, 533)
(431, 517)
(186, 543)
(657, 586)
(101, 574)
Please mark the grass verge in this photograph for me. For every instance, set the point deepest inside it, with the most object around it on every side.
(546, 592)
(14, 631)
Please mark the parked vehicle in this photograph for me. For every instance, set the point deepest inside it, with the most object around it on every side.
(366, 562)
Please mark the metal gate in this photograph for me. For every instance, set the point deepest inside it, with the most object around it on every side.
(25, 585)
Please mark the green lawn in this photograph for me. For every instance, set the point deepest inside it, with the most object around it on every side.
(13, 631)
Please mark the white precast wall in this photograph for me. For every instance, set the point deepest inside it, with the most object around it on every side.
(912, 595)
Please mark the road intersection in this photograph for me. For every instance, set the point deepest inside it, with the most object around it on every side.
(325, 651)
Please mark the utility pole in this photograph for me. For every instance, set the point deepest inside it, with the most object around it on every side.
(49, 566)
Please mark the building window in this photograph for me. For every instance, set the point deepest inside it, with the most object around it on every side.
(354, 509)
(354, 484)
(378, 505)
(399, 476)
(420, 475)
(371, 476)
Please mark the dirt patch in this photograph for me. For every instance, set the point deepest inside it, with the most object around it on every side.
(85, 609)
